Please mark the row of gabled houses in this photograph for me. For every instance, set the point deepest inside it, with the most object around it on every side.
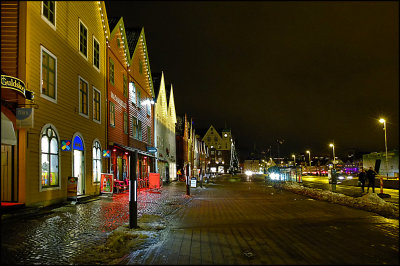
(78, 99)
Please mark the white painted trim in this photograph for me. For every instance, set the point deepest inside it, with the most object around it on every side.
(79, 40)
(42, 48)
(41, 189)
(79, 96)
(53, 26)
(97, 121)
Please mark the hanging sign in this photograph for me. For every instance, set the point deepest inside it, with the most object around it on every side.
(106, 153)
(106, 183)
(66, 145)
(24, 117)
(151, 149)
(13, 84)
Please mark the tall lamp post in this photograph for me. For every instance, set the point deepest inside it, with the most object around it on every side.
(383, 121)
(295, 169)
(309, 156)
(333, 150)
(333, 172)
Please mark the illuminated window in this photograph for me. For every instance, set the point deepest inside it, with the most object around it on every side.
(125, 123)
(125, 86)
(83, 97)
(112, 114)
(134, 127)
(49, 158)
(83, 39)
(132, 92)
(148, 107)
(96, 105)
(139, 130)
(96, 162)
(149, 135)
(49, 12)
(96, 54)
(111, 71)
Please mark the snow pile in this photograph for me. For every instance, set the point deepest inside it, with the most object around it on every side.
(369, 202)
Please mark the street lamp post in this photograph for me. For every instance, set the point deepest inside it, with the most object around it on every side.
(295, 169)
(333, 171)
(309, 156)
(333, 150)
(384, 128)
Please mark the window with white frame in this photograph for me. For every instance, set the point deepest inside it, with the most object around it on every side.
(112, 114)
(132, 89)
(96, 53)
(49, 158)
(111, 71)
(139, 130)
(134, 127)
(83, 39)
(148, 107)
(125, 122)
(96, 162)
(96, 105)
(83, 97)
(49, 12)
(48, 75)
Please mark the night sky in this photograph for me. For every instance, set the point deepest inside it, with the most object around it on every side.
(310, 73)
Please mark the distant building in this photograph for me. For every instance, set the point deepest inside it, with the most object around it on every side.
(220, 149)
(377, 160)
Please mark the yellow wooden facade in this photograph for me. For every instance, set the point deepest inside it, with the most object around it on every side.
(61, 40)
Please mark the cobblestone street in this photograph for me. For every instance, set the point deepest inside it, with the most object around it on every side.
(59, 235)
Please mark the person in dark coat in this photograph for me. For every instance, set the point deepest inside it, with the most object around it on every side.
(362, 176)
(371, 179)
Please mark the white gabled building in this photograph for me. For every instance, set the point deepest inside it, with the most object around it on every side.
(165, 128)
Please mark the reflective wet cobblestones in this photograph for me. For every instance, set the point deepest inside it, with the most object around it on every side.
(58, 236)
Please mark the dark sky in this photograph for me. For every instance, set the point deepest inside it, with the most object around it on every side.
(306, 72)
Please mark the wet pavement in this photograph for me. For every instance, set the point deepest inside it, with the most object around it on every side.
(235, 222)
(231, 221)
(59, 235)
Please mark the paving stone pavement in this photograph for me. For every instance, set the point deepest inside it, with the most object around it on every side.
(229, 222)
(239, 223)
(60, 234)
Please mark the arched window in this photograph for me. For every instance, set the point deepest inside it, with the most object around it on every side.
(96, 162)
(49, 153)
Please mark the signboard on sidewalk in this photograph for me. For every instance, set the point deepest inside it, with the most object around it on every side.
(106, 183)
(72, 187)
(154, 180)
(193, 182)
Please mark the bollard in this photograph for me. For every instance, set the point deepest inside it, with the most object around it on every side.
(381, 180)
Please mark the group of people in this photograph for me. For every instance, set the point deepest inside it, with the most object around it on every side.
(367, 175)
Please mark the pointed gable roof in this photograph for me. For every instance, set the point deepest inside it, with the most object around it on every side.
(171, 103)
(136, 35)
(211, 129)
(115, 24)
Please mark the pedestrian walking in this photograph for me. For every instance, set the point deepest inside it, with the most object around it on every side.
(371, 179)
(361, 178)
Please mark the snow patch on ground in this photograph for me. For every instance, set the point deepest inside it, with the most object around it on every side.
(369, 202)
